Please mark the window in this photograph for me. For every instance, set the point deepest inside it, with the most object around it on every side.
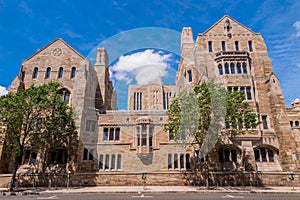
(111, 134)
(226, 68)
(232, 68)
(137, 101)
(178, 161)
(226, 155)
(250, 45)
(263, 154)
(223, 46)
(90, 125)
(190, 75)
(236, 45)
(264, 121)
(73, 72)
(35, 72)
(88, 154)
(60, 72)
(29, 157)
(220, 69)
(239, 68)
(110, 161)
(65, 95)
(245, 90)
(169, 161)
(57, 156)
(48, 71)
(166, 96)
(248, 93)
(245, 68)
(210, 46)
(291, 123)
(296, 123)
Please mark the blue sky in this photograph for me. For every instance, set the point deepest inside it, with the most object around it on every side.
(26, 26)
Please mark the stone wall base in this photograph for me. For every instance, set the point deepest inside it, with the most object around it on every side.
(155, 178)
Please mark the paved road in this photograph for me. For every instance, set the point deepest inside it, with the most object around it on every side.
(211, 196)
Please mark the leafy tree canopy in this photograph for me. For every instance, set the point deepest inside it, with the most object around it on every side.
(208, 114)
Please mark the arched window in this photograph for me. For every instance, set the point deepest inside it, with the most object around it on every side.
(291, 123)
(226, 68)
(73, 72)
(245, 68)
(232, 68)
(48, 71)
(239, 68)
(220, 67)
(35, 72)
(296, 123)
(65, 95)
(60, 72)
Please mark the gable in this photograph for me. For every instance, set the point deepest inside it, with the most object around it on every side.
(227, 25)
(58, 48)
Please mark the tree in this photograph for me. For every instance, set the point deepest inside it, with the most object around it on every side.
(37, 119)
(207, 115)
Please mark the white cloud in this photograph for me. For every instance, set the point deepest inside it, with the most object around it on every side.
(297, 27)
(142, 67)
(3, 91)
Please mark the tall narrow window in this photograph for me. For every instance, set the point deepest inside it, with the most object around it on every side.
(264, 121)
(257, 155)
(248, 93)
(263, 154)
(48, 71)
(226, 68)
(169, 161)
(238, 68)
(134, 101)
(141, 101)
(113, 161)
(106, 161)
(117, 134)
(245, 71)
(223, 46)
(85, 154)
(105, 134)
(67, 97)
(181, 161)
(232, 68)
(236, 45)
(210, 46)
(175, 161)
(119, 161)
(220, 68)
(190, 75)
(73, 72)
(35, 72)
(101, 161)
(60, 72)
(111, 134)
(250, 45)
(187, 161)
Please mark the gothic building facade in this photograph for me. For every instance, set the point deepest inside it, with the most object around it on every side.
(116, 143)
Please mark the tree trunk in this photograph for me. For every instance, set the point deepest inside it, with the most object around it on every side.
(13, 178)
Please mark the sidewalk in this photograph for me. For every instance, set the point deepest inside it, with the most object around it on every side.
(158, 189)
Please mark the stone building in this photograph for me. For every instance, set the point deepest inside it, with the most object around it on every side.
(118, 145)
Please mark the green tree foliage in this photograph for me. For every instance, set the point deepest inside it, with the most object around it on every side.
(207, 114)
(37, 119)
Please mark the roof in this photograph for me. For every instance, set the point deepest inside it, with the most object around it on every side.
(57, 39)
